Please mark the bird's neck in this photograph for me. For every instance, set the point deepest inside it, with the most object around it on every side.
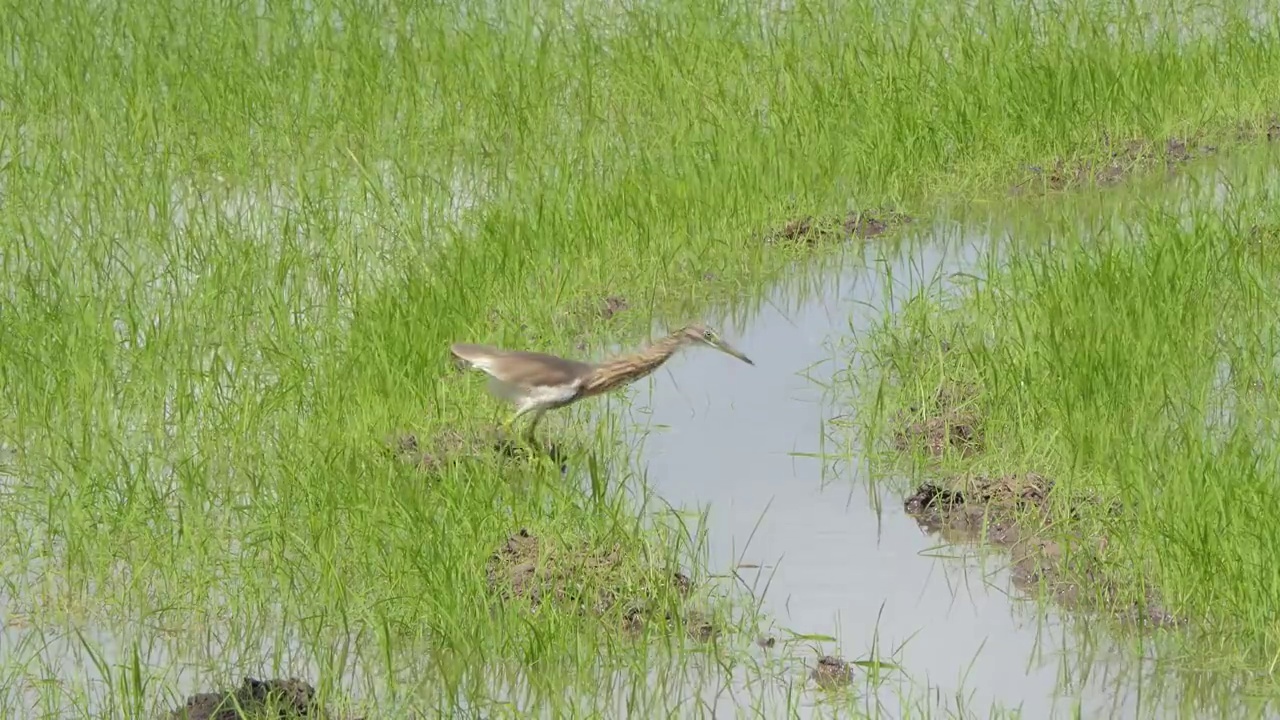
(629, 368)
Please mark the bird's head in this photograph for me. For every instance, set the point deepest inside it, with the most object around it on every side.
(699, 333)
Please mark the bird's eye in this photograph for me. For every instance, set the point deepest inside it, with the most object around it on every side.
(708, 335)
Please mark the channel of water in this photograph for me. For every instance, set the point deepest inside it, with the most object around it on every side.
(798, 518)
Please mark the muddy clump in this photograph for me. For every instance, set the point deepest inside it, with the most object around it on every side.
(1012, 512)
(255, 700)
(810, 230)
(962, 509)
(612, 305)
(1262, 241)
(869, 225)
(407, 449)
(699, 626)
(682, 584)
(589, 580)
(950, 421)
(832, 672)
(1121, 159)
(449, 445)
(499, 318)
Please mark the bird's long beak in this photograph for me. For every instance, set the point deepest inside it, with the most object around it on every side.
(725, 347)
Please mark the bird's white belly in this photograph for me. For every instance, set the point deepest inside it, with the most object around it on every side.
(550, 396)
(527, 398)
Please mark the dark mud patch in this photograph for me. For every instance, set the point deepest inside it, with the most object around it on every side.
(433, 455)
(1262, 242)
(521, 332)
(585, 316)
(1121, 159)
(832, 672)
(593, 581)
(949, 422)
(611, 306)
(1012, 512)
(255, 700)
(1269, 129)
(811, 230)
(588, 312)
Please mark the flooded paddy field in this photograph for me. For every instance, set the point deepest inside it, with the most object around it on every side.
(1002, 271)
(886, 522)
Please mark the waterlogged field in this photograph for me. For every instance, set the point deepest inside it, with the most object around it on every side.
(1100, 403)
(239, 239)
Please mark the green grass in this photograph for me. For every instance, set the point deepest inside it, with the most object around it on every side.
(1132, 357)
(238, 240)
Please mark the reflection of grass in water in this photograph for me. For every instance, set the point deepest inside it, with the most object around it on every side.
(238, 244)
(1130, 362)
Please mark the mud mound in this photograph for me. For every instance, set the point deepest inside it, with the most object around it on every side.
(962, 509)
(832, 672)
(1270, 130)
(255, 700)
(1123, 158)
(1262, 240)
(434, 455)
(1012, 512)
(950, 421)
(812, 230)
(611, 306)
(588, 580)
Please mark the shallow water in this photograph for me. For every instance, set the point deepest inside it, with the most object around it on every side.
(836, 554)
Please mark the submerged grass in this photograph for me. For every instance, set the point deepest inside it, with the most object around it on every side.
(1134, 363)
(239, 240)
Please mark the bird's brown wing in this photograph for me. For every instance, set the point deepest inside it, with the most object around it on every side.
(518, 367)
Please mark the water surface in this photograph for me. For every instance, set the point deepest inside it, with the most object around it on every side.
(794, 512)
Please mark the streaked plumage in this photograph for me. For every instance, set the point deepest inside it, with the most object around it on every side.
(537, 382)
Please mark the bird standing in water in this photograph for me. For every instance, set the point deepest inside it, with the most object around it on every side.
(536, 382)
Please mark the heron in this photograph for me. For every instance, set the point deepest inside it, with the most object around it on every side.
(536, 382)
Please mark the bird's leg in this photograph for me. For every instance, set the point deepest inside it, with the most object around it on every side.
(533, 425)
(527, 437)
(520, 410)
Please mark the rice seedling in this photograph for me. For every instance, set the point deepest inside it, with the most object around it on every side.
(1128, 363)
(239, 240)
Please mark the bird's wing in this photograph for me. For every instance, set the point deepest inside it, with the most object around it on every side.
(474, 353)
(530, 369)
(521, 368)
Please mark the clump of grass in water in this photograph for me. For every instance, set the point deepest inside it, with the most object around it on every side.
(223, 288)
(1131, 365)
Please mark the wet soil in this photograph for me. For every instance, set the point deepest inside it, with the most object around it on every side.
(831, 672)
(255, 700)
(949, 422)
(811, 230)
(524, 334)
(1012, 512)
(1263, 241)
(1122, 159)
(432, 456)
(1246, 132)
(611, 306)
(586, 317)
(592, 581)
